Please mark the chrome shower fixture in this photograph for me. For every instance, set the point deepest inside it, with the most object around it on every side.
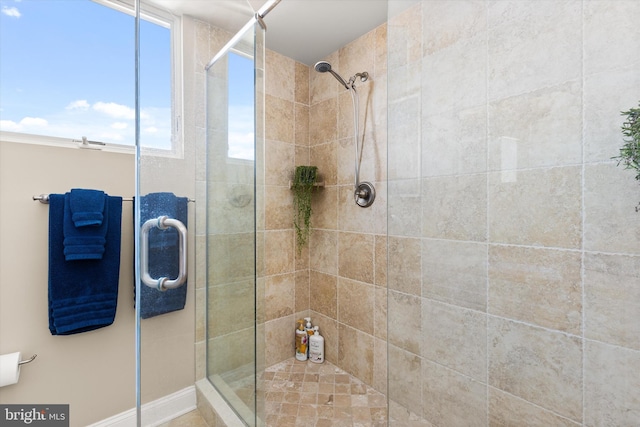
(364, 193)
(364, 76)
(324, 67)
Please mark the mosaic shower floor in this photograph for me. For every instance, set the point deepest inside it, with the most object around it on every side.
(321, 395)
(307, 394)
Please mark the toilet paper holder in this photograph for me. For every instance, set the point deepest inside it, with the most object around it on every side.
(22, 362)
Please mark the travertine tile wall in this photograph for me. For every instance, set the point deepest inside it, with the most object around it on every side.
(347, 264)
(286, 132)
(514, 250)
(339, 279)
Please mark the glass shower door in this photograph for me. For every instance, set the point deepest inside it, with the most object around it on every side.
(165, 223)
(234, 99)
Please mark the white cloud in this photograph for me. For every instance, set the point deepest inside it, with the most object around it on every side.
(33, 121)
(119, 125)
(99, 121)
(80, 104)
(11, 11)
(9, 126)
(117, 111)
(241, 136)
(241, 145)
(26, 124)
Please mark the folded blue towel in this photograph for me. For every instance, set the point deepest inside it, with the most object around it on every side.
(83, 293)
(87, 207)
(88, 240)
(163, 254)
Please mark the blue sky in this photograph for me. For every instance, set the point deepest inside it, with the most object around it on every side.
(241, 111)
(67, 70)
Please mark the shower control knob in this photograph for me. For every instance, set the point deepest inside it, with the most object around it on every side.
(365, 194)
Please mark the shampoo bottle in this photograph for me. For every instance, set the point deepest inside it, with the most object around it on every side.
(309, 330)
(316, 347)
(301, 341)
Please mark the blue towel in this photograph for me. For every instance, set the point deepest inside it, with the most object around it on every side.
(87, 207)
(83, 293)
(84, 224)
(163, 254)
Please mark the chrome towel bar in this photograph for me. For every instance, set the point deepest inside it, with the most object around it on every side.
(44, 199)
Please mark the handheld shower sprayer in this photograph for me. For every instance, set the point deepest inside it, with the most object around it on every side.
(324, 67)
(364, 193)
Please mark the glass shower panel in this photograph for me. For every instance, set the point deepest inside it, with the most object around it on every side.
(233, 154)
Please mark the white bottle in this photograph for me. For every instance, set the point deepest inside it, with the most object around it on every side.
(316, 347)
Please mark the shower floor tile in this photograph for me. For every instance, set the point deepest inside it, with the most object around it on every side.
(309, 394)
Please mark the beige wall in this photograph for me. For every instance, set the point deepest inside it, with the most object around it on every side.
(93, 372)
(513, 239)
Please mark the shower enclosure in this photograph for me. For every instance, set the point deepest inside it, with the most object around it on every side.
(494, 279)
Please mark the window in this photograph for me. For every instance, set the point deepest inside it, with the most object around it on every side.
(67, 71)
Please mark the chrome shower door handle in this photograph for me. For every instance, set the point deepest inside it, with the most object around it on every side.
(163, 283)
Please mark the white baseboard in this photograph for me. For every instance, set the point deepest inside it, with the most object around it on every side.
(157, 412)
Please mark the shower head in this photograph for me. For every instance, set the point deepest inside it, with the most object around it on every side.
(323, 67)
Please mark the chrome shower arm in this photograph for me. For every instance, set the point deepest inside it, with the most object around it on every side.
(340, 79)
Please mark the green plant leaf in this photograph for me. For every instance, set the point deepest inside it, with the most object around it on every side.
(629, 155)
(303, 185)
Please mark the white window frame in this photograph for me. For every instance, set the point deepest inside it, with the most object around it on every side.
(158, 17)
